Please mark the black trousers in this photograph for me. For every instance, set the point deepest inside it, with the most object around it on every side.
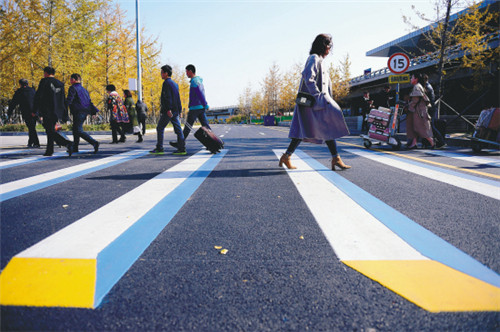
(116, 128)
(332, 146)
(53, 136)
(31, 124)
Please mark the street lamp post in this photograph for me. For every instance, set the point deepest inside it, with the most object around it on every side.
(138, 40)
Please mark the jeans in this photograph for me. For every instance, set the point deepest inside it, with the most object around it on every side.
(78, 120)
(160, 129)
(191, 118)
(332, 146)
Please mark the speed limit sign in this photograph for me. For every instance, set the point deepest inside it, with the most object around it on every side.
(398, 63)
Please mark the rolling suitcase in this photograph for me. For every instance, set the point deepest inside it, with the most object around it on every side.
(206, 137)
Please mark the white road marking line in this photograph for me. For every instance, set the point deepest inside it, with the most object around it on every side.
(14, 151)
(87, 237)
(61, 174)
(353, 233)
(495, 162)
(33, 159)
(471, 183)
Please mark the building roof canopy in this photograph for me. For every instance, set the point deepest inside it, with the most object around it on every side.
(415, 43)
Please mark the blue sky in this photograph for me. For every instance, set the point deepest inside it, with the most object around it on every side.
(234, 43)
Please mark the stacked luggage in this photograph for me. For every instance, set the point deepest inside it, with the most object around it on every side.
(382, 124)
(487, 129)
(378, 122)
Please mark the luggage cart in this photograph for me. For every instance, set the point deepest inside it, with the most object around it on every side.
(487, 131)
(383, 124)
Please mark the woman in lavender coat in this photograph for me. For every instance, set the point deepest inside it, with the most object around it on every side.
(324, 122)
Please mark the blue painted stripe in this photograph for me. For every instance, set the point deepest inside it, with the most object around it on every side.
(115, 260)
(29, 189)
(424, 241)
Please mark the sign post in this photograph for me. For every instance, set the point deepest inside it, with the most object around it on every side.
(398, 63)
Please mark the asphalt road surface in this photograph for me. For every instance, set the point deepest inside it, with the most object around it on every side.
(126, 240)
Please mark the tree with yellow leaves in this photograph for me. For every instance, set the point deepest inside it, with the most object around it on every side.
(468, 35)
(340, 77)
(89, 37)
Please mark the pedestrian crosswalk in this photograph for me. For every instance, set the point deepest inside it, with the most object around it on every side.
(77, 266)
(20, 187)
(472, 183)
(34, 159)
(386, 246)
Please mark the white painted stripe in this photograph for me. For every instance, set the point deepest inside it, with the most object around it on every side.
(33, 159)
(495, 162)
(87, 237)
(353, 233)
(262, 134)
(46, 177)
(475, 184)
(14, 151)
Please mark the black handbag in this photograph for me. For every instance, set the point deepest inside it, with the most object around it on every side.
(303, 98)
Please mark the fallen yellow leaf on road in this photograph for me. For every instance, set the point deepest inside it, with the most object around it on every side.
(223, 251)
(218, 247)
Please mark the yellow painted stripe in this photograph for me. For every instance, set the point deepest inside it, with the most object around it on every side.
(431, 285)
(48, 282)
(427, 161)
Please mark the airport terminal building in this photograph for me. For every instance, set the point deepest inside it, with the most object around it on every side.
(458, 97)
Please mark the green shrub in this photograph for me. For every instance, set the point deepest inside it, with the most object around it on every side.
(236, 118)
(14, 127)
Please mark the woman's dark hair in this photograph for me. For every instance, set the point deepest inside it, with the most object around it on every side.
(127, 93)
(23, 82)
(320, 44)
(419, 77)
(110, 87)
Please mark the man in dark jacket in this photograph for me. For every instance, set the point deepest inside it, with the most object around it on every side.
(366, 107)
(24, 97)
(50, 105)
(170, 109)
(80, 105)
(386, 97)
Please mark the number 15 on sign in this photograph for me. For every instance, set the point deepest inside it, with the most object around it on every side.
(398, 63)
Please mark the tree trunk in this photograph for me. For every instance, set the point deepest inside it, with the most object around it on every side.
(442, 52)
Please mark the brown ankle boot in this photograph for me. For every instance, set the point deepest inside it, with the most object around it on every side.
(285, 159)
(336, 161)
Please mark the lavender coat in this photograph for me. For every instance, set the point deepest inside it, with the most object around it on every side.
(324, 121)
